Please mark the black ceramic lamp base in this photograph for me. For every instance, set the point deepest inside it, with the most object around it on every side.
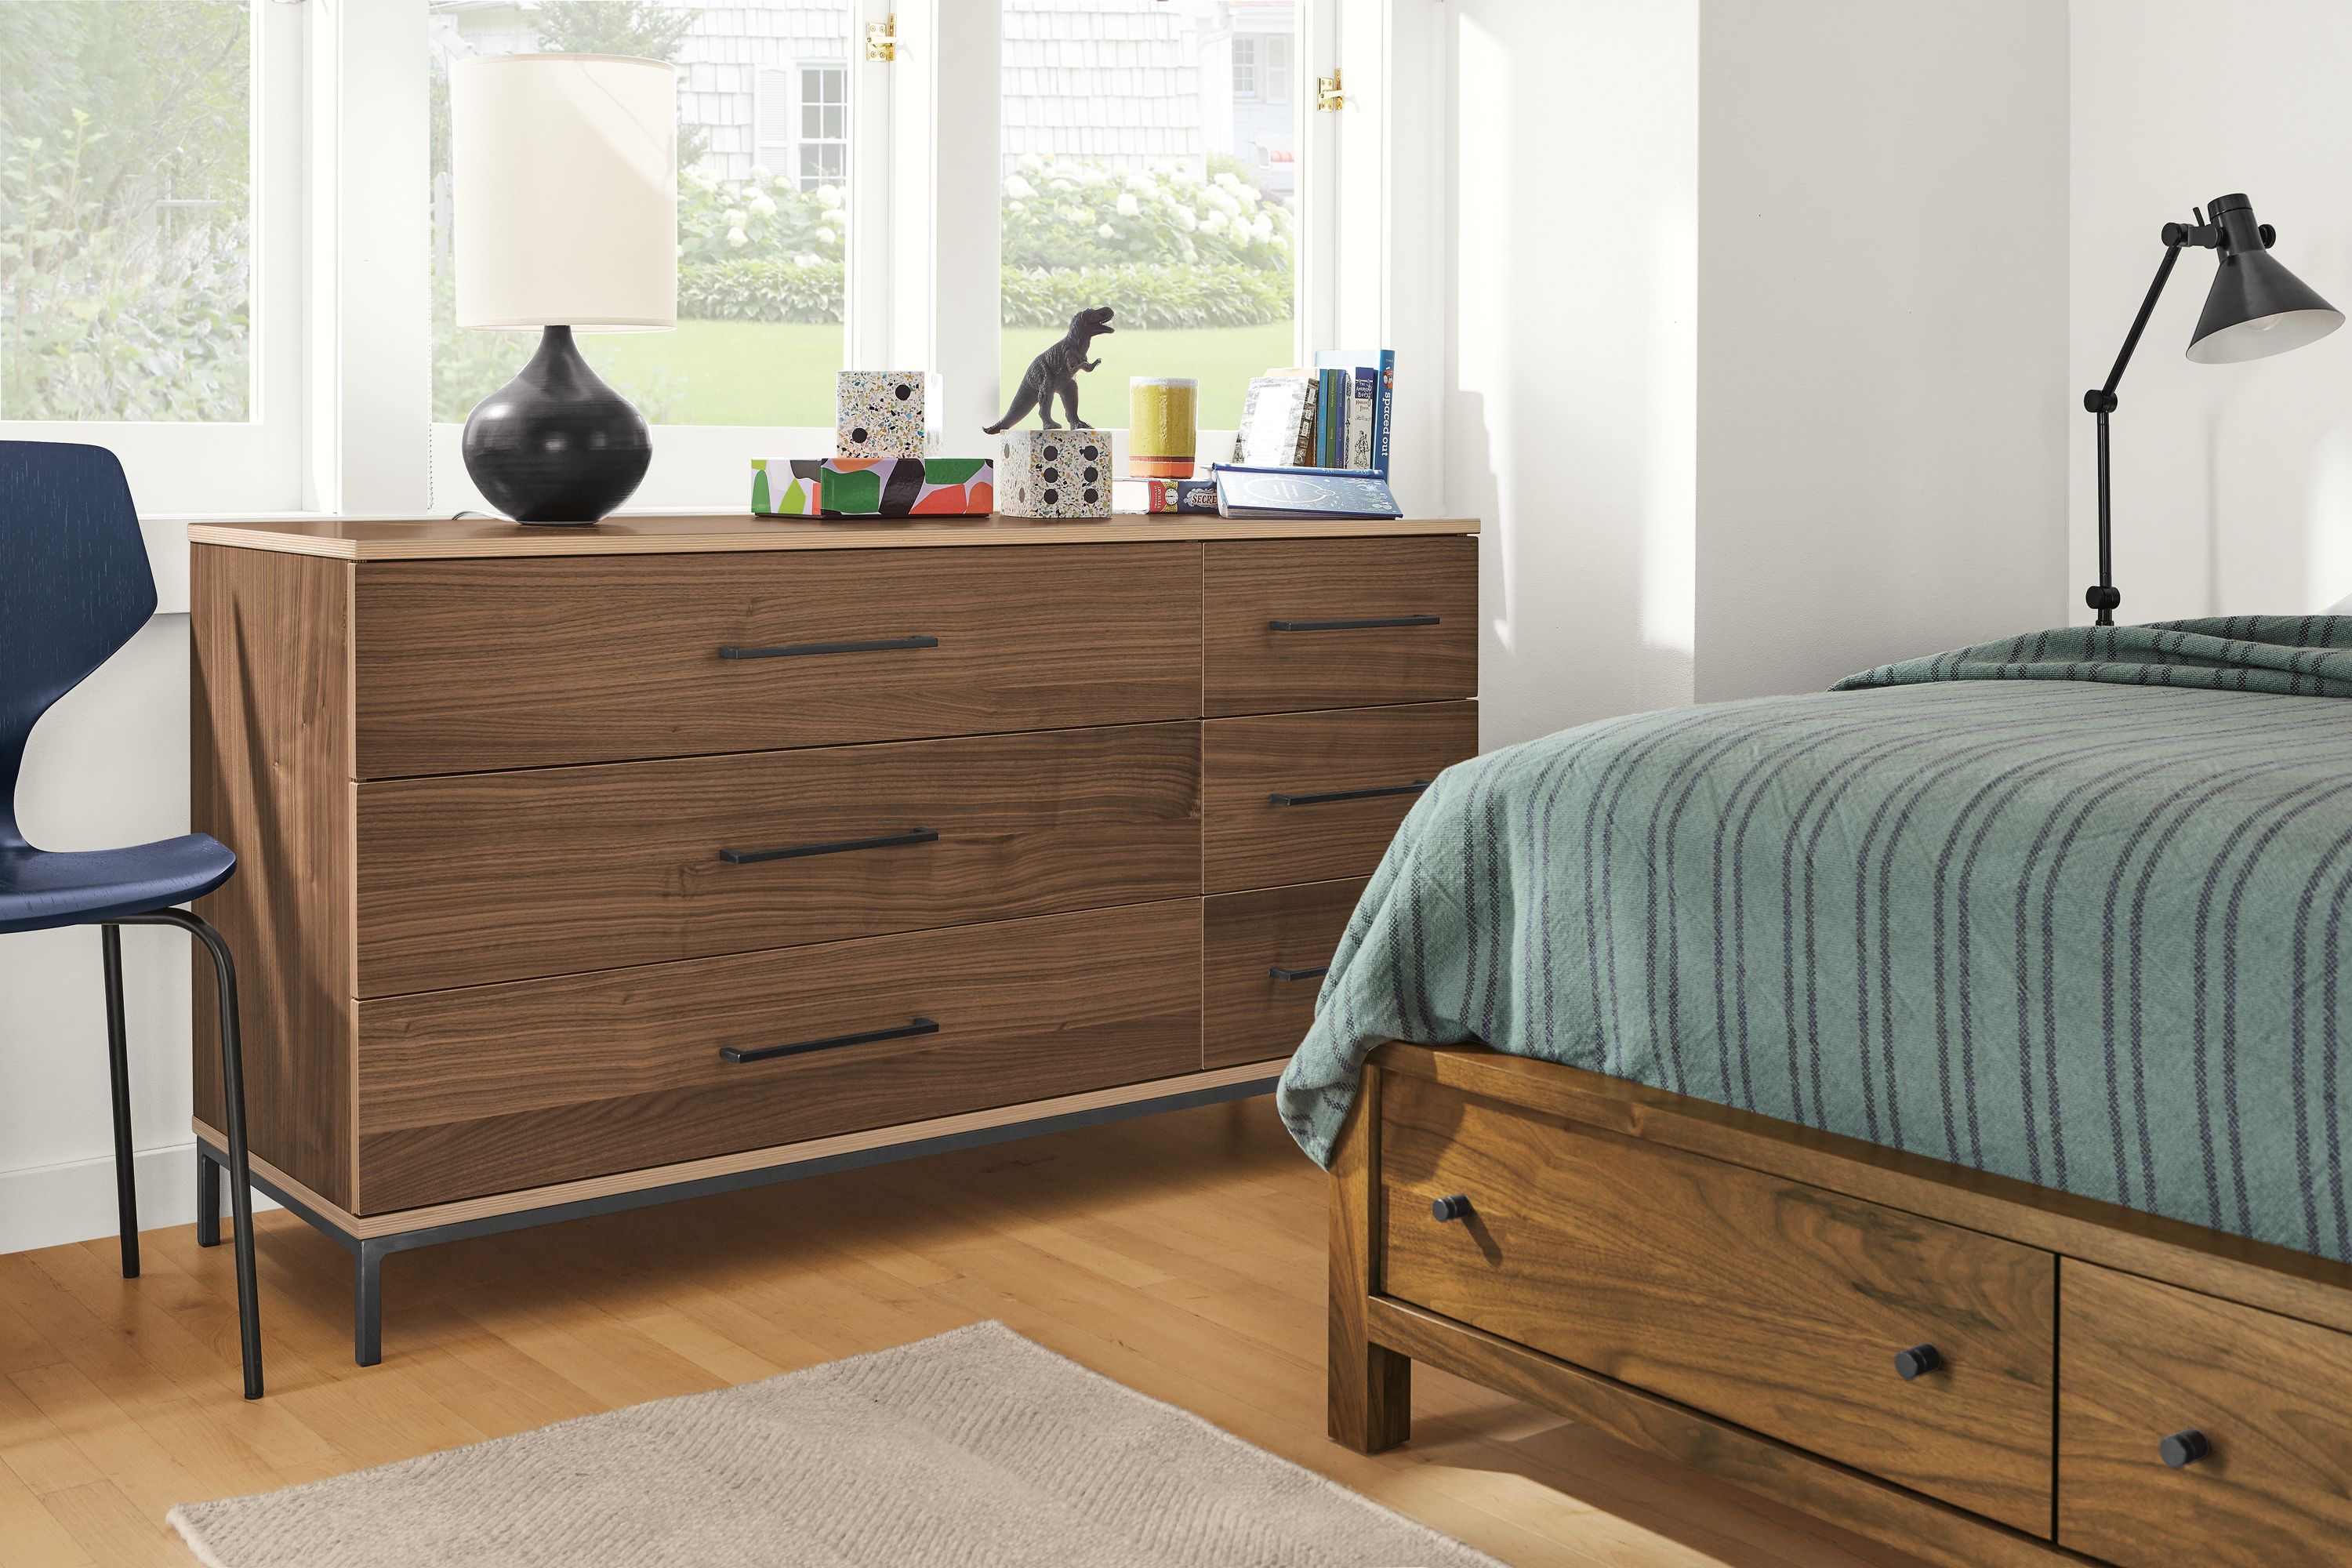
(556, 445)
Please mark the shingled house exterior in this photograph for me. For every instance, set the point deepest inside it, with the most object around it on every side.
(1125, 82)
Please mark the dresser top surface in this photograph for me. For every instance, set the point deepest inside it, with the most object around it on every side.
(416, 539)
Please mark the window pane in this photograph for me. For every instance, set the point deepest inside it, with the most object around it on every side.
(1136, 176)
(125, 210)
(761, 213)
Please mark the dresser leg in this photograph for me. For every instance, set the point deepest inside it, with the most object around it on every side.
(208, 1200)
(1367, 1387)
(367, 1303)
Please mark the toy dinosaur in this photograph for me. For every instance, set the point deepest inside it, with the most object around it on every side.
(1056, 371)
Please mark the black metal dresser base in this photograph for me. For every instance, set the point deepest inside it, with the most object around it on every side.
(368, 1252)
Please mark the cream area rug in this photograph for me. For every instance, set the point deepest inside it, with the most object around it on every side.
(975, 1447)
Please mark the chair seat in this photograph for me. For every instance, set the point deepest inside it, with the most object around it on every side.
(44, 887)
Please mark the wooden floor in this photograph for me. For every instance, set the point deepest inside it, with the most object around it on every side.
(1181, 1255)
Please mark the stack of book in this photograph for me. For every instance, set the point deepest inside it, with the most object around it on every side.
(1315, 441)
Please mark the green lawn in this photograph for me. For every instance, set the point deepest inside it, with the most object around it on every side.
(774, 373)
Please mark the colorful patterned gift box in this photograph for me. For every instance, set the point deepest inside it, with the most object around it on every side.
(785, 486)
(882, 413)
(909, 487)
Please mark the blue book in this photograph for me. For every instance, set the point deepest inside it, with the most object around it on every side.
(1383, 363)
(1302, 492)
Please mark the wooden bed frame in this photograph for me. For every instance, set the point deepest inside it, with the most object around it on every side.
(1737, 1293)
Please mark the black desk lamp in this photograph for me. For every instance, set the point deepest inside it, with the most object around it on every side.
(2256, 308)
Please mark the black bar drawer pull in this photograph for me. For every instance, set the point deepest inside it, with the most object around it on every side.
(796, 649)
(1413, 788)
(1318, 973)
(1368, 624)
(838, 846)
(830, 1043)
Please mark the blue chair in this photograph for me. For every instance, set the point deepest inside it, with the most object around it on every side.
(75, 587)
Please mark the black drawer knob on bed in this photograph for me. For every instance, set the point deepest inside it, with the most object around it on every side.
(1455, 1207)
(1917, 1360)
(2184, 1448)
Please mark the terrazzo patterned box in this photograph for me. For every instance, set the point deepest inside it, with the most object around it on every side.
(1055, 473)
(882, 413)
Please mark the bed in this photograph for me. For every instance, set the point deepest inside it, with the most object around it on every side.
(1797, 1086)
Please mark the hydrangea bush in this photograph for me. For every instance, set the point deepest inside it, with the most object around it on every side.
(1167, 247)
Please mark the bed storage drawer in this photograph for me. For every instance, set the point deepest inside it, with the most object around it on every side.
(462, 666)
(1264, 954)
(491, 1087)
(1290, 625)
(1307, 797)
(1771, 1304)
(2269, 1399)
(645, 862)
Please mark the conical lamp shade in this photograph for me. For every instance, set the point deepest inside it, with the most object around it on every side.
(2256, 308)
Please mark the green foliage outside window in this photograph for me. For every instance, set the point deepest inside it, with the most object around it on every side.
(124, 179)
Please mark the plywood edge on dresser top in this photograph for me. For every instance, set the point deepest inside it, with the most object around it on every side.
(429, 538)
(776, 1156)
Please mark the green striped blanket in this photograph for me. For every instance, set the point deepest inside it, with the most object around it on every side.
(2072, 907)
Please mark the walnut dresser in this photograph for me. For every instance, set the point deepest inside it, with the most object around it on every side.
(583, 868)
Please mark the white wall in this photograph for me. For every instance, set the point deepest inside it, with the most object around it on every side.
(1570, 387)
(107, 766)
(1881, 376)
(2232, 483)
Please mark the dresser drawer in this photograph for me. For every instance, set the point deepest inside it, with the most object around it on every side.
(505, 876)
(466, 665)
(1290, 625)
(1263, 958)
(1308, 798)
(2270, 1396)
(494, 1088)
(1774, 1305)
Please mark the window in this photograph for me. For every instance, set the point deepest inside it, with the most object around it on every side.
(1148, 167)
(763, 211)
(149, 242)
(296, 320)
(824, 125)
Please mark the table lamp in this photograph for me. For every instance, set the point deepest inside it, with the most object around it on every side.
(2256, 308)
(564, 170)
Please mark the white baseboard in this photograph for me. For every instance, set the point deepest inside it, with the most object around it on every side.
(50, 1205)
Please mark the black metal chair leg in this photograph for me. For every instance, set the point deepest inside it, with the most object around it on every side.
(240, 1197)
(117, 1064)
(208, 1200)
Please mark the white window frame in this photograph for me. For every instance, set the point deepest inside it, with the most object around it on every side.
(924, 163)
(257, 464)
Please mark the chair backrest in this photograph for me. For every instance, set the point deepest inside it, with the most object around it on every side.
(74, 585)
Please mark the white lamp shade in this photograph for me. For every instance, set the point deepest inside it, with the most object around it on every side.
(564, 170)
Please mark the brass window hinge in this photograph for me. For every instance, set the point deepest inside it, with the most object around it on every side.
(882, 38)
(1329, 96)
